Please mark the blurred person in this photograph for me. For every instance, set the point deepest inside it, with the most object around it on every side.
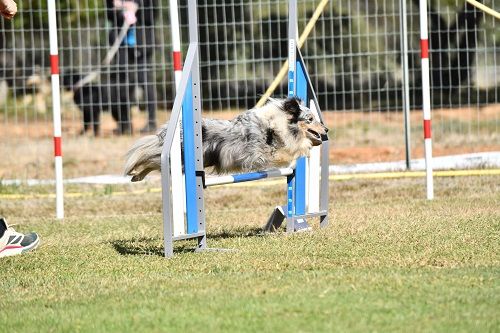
(11, 241)
(8, 8)
(133, 61)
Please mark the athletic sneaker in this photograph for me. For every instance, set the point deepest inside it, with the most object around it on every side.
(12, 242)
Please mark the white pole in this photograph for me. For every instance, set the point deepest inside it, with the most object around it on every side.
(406, 80)
(313, 172)
(178, 200)
(426, 95)
(56, 108)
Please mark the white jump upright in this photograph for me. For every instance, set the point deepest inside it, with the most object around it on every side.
(307, 184)
(187, 101)
(307, 189)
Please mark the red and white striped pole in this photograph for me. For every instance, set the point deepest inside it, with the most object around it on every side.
(178, 200)
(56, 107)
(426, 96)
(176, 41)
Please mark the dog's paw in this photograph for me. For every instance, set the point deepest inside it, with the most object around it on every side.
(136, 178)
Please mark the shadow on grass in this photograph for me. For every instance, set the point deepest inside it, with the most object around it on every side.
(154, 246)
(236, 233)
(146, 246)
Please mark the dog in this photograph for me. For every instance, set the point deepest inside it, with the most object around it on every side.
(39, 88)
(274, 135)
(94, 98)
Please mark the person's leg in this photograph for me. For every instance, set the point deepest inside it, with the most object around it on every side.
(150, 98)
(145, 78)
(119, 96)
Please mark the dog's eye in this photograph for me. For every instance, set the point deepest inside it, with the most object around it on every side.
(307, 119)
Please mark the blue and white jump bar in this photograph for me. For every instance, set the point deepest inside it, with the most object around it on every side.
(247, 177)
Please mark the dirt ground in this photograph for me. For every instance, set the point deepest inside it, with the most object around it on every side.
(27, 149)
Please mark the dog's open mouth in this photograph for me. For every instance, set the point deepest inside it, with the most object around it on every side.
(315, 137)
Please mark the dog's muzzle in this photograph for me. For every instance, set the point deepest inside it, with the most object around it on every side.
(315, 137)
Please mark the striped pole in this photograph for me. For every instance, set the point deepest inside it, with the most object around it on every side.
(176, 41)
(56, 107)
(176, 165)
(247, 177)
(426, 94)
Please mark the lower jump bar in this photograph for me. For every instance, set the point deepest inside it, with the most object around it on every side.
(320, 213)
(246, 177)
(188, 236)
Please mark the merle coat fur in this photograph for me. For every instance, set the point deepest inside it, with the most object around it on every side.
(274, 135)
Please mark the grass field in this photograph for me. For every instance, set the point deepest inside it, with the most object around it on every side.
(388, 261)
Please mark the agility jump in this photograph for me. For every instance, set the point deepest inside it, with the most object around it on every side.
(280, 133)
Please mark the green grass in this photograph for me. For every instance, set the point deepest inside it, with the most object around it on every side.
(388, 261)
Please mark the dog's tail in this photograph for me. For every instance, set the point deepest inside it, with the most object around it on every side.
(143, 157)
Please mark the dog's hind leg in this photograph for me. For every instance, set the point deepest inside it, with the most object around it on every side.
(96, 121)
(88, 119)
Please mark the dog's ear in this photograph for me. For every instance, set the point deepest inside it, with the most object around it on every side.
(291, 106)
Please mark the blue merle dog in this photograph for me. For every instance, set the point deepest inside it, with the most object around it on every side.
(274, 135)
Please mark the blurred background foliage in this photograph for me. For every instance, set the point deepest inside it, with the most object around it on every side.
(353, 53)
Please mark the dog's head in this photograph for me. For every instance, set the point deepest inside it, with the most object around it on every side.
(303, 120)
